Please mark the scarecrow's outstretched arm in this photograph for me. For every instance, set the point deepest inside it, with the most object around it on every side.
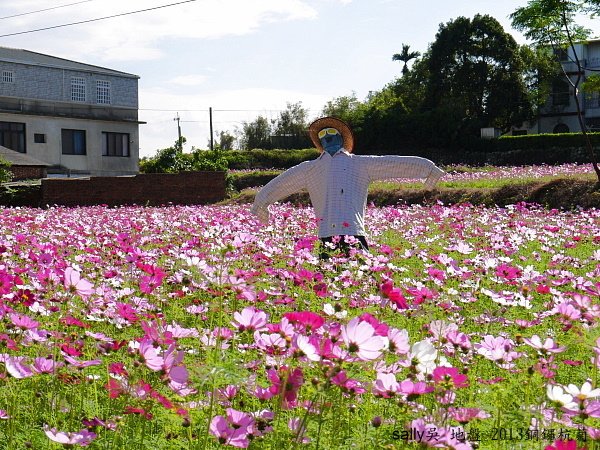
(289, 182)
(391, 166)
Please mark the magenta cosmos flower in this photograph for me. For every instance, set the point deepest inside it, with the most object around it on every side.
(564, 445)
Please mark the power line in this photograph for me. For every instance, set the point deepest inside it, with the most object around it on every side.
(46, 9)
(96, 20)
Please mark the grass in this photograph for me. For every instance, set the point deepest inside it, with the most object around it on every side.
(178, 278)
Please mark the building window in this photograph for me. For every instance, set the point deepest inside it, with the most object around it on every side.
(8, 76)
(12, 135)
(115, 144)
(78, 89)
(39, 138)
(103, 92)
(73, 142)
(561, 54)
(561, 95)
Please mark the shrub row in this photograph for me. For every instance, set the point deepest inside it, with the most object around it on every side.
(505, 151)
(267, 159)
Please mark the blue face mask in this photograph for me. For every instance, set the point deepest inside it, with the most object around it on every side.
(331, 140)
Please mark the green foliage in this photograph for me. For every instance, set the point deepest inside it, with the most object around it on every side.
(5, 173)
(476, 66)
(172, 160)
(256, 134)
(405, 56)
(552, 23)
(268, 159)
(288, 131)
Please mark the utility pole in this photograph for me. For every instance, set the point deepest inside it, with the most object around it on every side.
(179, 141)
(211, 127)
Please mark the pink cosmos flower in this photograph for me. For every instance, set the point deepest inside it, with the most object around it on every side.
(548, 346)
(307, 346)
(82, 438)
(498, 349)
(508, 272)
(286, 382)
(150, 355)
(398, 341)
(155, 277)
(465, 415)
(568, 311)
(348, 385)
(22, 321)
(385, 385)
(4, 415)
(75, 284)
(309, 320)
(394, 295)
(361, 339)
(450, 377)
(380, 328)
(412, 389)
(234, 429)
(16, 368)
(81, 364)
(250, 319)
(271, 344)
(45, 365)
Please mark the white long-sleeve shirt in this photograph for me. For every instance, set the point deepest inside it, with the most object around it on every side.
(338, 187)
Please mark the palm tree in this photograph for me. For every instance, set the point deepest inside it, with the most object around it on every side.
(405, 57)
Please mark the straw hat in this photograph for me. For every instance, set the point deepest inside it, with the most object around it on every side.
(331, 122)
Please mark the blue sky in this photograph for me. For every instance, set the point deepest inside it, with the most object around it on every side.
(243, 58)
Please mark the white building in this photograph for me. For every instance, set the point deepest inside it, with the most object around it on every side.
(559, 114)
(76, 117)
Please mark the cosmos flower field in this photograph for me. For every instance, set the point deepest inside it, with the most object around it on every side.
(199, 328)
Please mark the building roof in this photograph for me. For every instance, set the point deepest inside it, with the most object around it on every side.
(39, 59)
(20, 159)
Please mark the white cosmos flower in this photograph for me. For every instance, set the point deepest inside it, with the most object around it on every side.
(586, 391)
(425, 354)
(557, 394)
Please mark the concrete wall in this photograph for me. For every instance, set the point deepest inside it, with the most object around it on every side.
(92, 162)
(187, 188)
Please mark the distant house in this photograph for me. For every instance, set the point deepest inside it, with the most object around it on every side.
(559, 114)
(75, 117)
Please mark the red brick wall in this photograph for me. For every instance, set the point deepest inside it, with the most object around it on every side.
(27, 172)
(186, 188)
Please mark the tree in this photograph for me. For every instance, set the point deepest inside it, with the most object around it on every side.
(405, 56)
(551, 24)
(345, 108)
(256, 134)
(167, 160)
(292, 121)
(475, 68)
(290, 128)
(225, 140)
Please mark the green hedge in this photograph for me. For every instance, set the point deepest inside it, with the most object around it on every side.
(267, 159)
(507, 150)
(543, 141)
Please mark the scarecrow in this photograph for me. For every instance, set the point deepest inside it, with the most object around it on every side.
(338, 181)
